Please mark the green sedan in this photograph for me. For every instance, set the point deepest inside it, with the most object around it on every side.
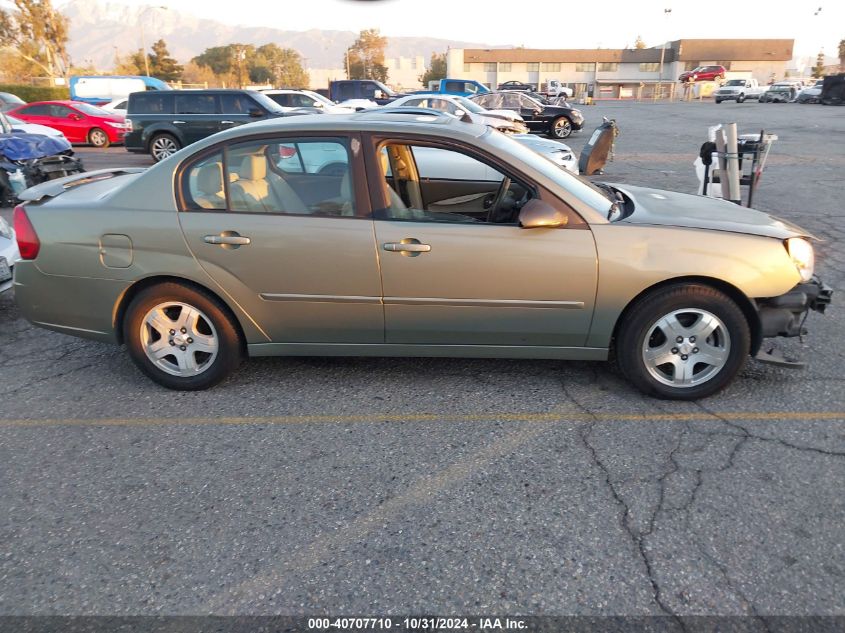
(325, 235)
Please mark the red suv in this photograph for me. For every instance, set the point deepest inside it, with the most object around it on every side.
(80, 122)
(704, 73)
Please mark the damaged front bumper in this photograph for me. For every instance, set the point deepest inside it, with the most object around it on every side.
(785, 316)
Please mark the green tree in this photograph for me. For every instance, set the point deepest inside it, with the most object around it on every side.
(162, 65)
(842, 55)
(818, 69)
(365, 58)
(436, 69)
(639, 44)
(38, 33)
(279, 66)
(131, 64)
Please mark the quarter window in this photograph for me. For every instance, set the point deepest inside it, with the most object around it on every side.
(151, 103)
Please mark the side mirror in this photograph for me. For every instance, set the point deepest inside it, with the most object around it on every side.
(537, 214)
(459, 113)
(256, 112)
(74, 117)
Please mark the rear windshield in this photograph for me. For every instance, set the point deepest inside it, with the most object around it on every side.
(150, 103)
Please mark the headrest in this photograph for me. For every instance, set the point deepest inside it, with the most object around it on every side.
(345, 186)
(210, 178)
(254, 168)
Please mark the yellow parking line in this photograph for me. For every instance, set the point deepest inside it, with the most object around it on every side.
(493, 416)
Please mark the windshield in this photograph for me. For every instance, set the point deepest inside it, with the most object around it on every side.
(385, 89)
(736, 82)
(576, 186)
(318, 97)
(87, 108)
(266, 102)
(470, 106)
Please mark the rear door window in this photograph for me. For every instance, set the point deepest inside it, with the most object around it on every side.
(196, 104)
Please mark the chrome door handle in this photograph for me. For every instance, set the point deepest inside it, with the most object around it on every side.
(177, 122)
(227, 122)
(410, 247)
(227, 238)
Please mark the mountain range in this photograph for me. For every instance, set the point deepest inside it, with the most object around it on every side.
(100, 30)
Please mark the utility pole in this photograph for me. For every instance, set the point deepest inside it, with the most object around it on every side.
(667, 13)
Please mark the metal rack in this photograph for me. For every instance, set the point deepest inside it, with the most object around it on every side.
(752, 153)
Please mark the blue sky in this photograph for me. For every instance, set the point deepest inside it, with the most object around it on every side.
(546, 24)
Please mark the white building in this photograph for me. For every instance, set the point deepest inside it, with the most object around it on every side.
(402, 73)
(619, 73)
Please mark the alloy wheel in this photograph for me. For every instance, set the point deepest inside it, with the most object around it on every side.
(163, 147)
(179, 339)
(686, 347)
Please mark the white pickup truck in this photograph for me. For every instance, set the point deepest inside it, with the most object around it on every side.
(738, 90)
(555, 88)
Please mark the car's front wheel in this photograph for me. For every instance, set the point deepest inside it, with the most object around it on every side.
(163, 146)
(98, 138)
(683, 342)
(561, 127)
(181, 337)
(740, 98)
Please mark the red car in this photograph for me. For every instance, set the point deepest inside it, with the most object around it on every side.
(704, 73)
(79, 122)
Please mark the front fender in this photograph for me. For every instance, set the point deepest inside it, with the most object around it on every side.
(633, 259)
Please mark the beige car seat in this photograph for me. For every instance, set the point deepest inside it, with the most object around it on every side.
(210, 186)
(255, 192)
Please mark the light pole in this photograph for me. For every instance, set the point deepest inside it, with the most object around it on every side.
(667, 13)
(143, 41)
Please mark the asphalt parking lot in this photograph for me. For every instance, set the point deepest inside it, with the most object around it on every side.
(391, 486)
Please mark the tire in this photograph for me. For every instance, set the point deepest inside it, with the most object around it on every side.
(740, 98)
(163, 146)
(98, 138)
(209, 349)
(560, 128)
(645, 338)
(718, 101)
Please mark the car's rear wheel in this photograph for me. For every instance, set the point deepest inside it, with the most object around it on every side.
(98, 138)
(181, 337)
(163, 146)
(683, 342)
(561, 127)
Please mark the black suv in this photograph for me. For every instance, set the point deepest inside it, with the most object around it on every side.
(558, 121)
(162, 122)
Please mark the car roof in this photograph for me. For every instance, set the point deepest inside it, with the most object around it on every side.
(443, 125)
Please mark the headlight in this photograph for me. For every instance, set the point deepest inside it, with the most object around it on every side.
(119, 126)
(801, 252)
(5, 229)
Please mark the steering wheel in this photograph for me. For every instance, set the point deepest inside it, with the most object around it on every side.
(497, 201)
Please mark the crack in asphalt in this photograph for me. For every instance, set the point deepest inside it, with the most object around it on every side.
(45, 379)
(584, 433)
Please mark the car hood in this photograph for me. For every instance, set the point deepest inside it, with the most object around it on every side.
(509, 115)
(669, 208)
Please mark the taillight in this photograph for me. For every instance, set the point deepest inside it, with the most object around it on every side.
(28, 242)
(128, 124)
